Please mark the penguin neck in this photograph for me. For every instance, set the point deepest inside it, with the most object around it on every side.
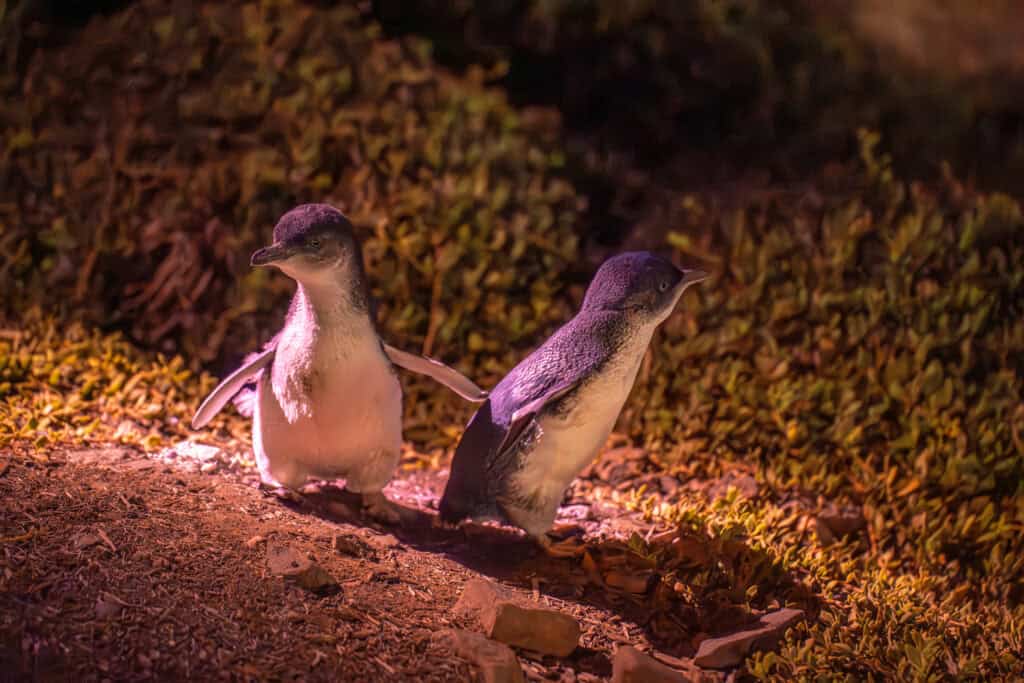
(332, 306)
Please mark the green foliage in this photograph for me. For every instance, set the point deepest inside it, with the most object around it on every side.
(63, 384)
(141, 172)
(871, 354)
(865, 346)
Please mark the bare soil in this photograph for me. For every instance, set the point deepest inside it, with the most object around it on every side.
(118, 566)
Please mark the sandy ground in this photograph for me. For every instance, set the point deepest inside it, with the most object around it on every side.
(118, 566)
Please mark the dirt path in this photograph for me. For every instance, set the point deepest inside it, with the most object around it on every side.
(114, 565)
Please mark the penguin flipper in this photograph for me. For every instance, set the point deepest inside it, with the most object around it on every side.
(525, 415)
(234, 383)
(438, 371)
(485, 454)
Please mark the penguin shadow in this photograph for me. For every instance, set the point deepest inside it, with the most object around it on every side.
(675, 586)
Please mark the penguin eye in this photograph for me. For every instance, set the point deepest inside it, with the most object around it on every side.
(662, 286)
(314, 243)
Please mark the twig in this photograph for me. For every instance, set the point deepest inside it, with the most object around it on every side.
(19, 538)
(106, 539)
(385, 665)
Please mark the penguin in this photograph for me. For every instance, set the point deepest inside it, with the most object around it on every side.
(549, 416)
(327, 401)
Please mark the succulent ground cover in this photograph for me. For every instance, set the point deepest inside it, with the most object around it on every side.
(834, 421)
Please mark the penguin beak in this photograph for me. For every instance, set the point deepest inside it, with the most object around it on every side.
(692, 276)
(268, 256)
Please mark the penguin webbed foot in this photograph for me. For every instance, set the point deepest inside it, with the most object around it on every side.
(379, 508)
(561, 548)
(282, 493)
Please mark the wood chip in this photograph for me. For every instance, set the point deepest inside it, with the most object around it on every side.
(106, 539)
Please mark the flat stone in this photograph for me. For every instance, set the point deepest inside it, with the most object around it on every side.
(731, 650)
(518, 622)
(632, 666)
(283, 559)
(298, 569)
(496, 661)
(479, 595)
(541, 630)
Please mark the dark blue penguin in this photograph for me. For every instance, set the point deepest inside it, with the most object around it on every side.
(552, 413)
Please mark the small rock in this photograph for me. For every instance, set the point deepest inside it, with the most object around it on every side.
(527, 626)
(351, 546)
(300, 570)
(107, 609)
(632, 666)
(209, 467)
(496, 661)
(282, 560)
(315, 579)
(479, 595)
(730, 650)
(541, 630)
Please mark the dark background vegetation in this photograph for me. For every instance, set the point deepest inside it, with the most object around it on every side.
(850, 173)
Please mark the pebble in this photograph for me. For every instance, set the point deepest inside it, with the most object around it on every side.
(731, 650)
(632, 666)
(300, 570)
(496, 661)
(524, 625)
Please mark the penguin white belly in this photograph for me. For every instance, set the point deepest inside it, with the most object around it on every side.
(343, 419)
(567, 444)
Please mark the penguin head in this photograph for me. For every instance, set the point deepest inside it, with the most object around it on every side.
(640, 284)
(310, 241)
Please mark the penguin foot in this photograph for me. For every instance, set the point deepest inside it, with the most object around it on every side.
(437, 523)
(566, 548)
(377, 507)
(282, 493)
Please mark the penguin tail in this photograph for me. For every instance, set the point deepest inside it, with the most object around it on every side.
(452, 511)
(457, 506)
